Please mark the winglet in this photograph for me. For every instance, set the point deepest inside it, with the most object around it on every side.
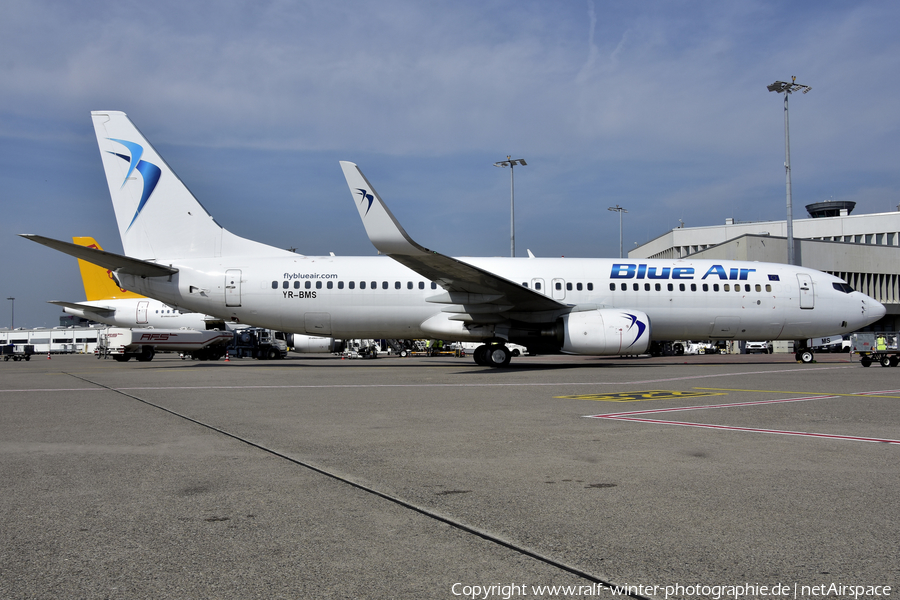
(385, 233)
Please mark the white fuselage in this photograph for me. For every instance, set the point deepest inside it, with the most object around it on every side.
(137, 312)
(376, 297)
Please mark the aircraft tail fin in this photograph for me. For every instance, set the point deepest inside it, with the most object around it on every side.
(158, 217)
(98, 282)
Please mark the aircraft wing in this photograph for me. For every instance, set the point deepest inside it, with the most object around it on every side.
(455, 276)
(100, 310)
(107, 260)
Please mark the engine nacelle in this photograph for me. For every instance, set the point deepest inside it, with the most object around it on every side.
(310, 344)
(605, 331)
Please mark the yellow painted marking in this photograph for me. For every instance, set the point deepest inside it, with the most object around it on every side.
(640, 396)
(856, 395)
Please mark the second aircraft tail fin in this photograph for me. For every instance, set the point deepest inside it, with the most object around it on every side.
(98, 282)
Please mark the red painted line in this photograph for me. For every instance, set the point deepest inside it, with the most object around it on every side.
(706, 406)
(755, 430)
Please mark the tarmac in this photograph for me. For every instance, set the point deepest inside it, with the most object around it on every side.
(739, 476)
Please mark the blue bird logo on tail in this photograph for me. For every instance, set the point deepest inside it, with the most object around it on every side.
(364, 195)
(148, 171)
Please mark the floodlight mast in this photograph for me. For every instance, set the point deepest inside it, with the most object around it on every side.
(511, 163)
(619, 210)
(787, 89)
(12, 316)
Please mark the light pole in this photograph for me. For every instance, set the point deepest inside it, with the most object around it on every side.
(619, 210)
(12, 317)
(787, 89)
(511, 163)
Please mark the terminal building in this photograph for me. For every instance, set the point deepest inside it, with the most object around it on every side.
(863, 249)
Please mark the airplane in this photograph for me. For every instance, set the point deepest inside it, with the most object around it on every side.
(107, 303)
(176, 252)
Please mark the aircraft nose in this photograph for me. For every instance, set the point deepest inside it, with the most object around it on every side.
(875, 309)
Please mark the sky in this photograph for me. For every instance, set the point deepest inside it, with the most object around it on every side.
(659, 107)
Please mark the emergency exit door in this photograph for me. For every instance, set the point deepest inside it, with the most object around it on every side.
(807, 294)
(233, 287)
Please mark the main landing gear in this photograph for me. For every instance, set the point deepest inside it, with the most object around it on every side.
(492, 355)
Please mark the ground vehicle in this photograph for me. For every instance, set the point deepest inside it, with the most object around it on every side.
(142, 344)
(878, 347)
(17, 351)
(762, 347)
(256, 342)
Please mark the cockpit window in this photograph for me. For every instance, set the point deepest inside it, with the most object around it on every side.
(842, 287)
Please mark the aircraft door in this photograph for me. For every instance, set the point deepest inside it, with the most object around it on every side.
(558, 289)
(142, 312)
(233, 287)
(538, 285)
(807, 294)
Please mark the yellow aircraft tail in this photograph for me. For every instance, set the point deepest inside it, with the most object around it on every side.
(98, 282)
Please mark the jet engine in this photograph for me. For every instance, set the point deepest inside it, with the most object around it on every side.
(605, 331)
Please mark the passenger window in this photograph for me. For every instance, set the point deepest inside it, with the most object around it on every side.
(579, 287)
(433, 285)
(693, 287)
(396, 285)
(768, 288)
(726, 287)
(330, 285)
(715, 287)
(590, 287)
(558, 286)
(374, 285)
(681, 287)
(351, 284)
(409, 285)
(705, 287)
(612, 287)
(421, 285)
(308, 284)
(758, 288)
(318, 285)
(340, 285)
(296, 285)
(658, 287)
(624, 286)
(362, 285)
(671, 287)
(569, 287)
(646, 287)
(636, 287)
(274, 285)
(285, 284)
(537, 285)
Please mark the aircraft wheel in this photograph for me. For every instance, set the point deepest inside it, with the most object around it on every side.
(865, 361)
(498, 356)
(885, 360)
(805, 356)
(480, 355)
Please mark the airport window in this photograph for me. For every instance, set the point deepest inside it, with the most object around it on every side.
(318, 285)
(612, 287)
(705, 287)
(646, 287)
(308, 284)
(636, 287)
(658, 287)
(274, 285)
(340, 285)
(590, 287)
(579, 287)
(285, 284)
(351, 284)
(681, 287)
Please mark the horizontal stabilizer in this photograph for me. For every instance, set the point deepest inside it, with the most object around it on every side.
(114, 262)
(100, 310)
